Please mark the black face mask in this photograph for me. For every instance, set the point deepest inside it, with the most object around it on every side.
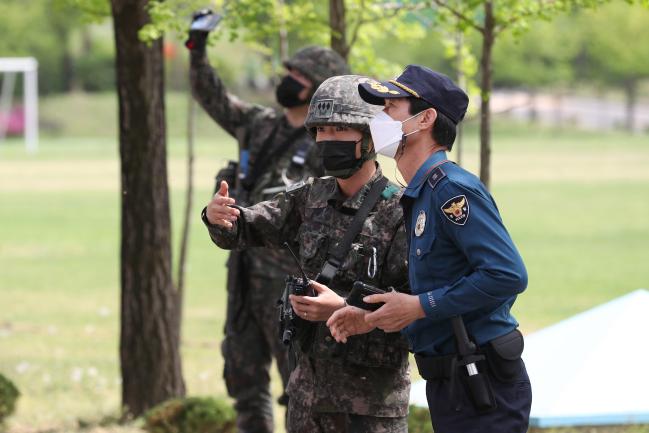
(339, 158)
(287, 92)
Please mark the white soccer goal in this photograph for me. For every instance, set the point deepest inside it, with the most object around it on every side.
(29, 67)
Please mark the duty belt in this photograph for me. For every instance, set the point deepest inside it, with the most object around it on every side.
(435, 367)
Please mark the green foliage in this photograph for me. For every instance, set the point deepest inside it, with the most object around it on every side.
(191, 415)
(541, 56)
(30, 33)
(90, 11)
(419, 420)
(96, 70)
(609, 35)
(370, 21)
(8, 396)
(47, 30)
(259, 22)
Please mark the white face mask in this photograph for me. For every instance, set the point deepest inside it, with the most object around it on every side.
(387, 133)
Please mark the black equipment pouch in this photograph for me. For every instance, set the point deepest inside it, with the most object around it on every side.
(359, 291)
(471, 362)
(504, 356)
(228, 174)
(481, 392)
(337, 256)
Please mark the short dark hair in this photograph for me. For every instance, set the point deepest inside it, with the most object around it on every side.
(444, 130)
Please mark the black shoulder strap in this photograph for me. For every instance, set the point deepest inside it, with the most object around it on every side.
(266, 153)
(338, 254)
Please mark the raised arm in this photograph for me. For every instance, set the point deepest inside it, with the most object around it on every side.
(230, 112)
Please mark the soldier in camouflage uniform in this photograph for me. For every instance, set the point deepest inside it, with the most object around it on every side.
(275, 151)
(363, 385)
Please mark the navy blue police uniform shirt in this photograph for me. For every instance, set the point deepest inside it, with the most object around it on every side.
(461, 261)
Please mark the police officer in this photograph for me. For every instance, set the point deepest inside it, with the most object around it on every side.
(361, 386)
(464, 269)
(275, 151)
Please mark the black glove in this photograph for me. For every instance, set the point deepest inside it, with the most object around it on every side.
(197, 40)
(203, 22)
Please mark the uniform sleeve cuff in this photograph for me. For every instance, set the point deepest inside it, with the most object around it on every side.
(225, 238)
(430, 302)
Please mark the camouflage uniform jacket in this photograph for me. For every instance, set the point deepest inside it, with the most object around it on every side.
(262, 131)
(369, 374)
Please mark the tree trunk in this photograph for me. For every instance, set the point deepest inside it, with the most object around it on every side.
(532, 112)
(338, 28)
(630, 92)
(283, 35)
(461, 81)
(488, 39)
(150, 306)
(62, 33)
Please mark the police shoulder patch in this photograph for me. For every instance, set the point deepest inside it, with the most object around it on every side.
(456, 210)
(435, 176)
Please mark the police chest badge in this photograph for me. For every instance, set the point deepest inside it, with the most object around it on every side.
(456, 210)
(421, 223)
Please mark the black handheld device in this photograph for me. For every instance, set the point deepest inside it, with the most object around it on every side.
(302, 287)
(289, 322)
(359, 291)
(205, 20)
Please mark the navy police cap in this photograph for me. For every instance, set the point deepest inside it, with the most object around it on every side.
(423, 83)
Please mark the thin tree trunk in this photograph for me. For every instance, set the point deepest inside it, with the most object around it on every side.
(630, 91)
(150, 306)
(488, 39)
(283, 36)
(338, 28)
(461, 81)
(184, 242)
(532, 112)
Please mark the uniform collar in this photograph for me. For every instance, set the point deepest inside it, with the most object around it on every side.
(414, 186)
(336, 197)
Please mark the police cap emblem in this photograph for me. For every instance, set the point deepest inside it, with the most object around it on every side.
(456, 210)
(420, 225)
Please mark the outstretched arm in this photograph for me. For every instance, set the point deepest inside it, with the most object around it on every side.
(269, 223)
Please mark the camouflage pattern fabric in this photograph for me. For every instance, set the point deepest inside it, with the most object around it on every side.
(249, 351)
(252, 125)
(317, 64)
(337, 103)
(369, 374)
(304, 421)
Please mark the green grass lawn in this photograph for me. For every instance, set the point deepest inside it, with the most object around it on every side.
(575, 203)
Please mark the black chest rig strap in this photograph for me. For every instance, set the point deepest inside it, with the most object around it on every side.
(268, 151)
(338, 254)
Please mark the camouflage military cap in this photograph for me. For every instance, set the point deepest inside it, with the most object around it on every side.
(337, 103)
(317, 64)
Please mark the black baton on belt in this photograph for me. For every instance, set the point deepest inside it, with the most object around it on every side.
(479, 386)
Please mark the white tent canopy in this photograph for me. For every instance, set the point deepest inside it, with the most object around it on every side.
(591, 369)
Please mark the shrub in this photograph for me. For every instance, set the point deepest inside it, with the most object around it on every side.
(419, 420)
(8, 396)
(191, 415)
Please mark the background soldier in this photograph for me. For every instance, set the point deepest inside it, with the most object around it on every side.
(363, 385)
(275, 151)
